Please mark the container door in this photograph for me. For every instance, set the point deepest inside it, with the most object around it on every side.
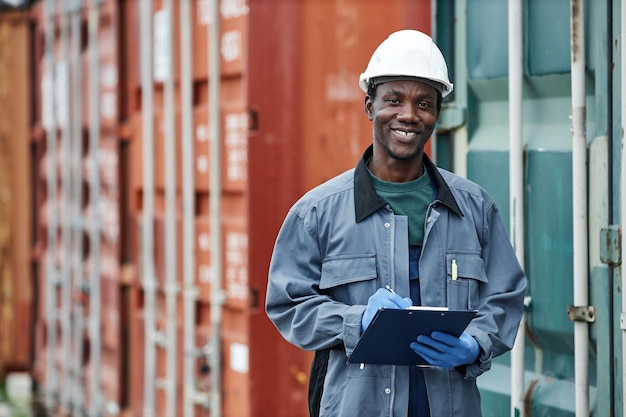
(473, 140)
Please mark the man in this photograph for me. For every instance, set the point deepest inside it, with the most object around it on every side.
(396, 220)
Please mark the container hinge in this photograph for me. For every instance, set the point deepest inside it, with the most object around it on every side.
(201, 398)
(581, 313)
(611, 245)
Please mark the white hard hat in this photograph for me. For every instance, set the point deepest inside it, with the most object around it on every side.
(408, 53)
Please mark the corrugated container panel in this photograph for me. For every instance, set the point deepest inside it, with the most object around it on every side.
(136, 355)
(112, 319)
(234, 125)
(233, 29)
(234, 254)
(112, 381)
(234, 174)
(203, 257)
(236, 347)
(136, 149)
(16, 292)
(160, 249)
(109, 164)
(203, 333)
(161, 365)
(201, 154)
(200, 18)
(75, 371)
(336, 47)
(136, 351)
(130, 98)
(235, 360)
(39, 309)
(109, 93)
(234, 35)
(235, 276)
(235, 153)
(37, 370)
(547, 172)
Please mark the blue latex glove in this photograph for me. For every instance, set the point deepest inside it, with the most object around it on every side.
(445, 350)
(382, 298)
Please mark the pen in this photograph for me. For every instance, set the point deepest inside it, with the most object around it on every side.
(390, 289)
(454, 271)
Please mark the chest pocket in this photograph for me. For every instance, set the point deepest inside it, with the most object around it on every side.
(464, 283)
(349, 279)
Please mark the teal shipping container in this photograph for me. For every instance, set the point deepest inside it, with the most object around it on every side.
(537, 119)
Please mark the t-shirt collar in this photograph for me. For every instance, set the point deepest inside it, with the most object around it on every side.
(367, 201)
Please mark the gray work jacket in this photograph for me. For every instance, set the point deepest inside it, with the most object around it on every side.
(340, 243)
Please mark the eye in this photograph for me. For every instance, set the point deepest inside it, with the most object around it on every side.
(424, 104)
(392, 100)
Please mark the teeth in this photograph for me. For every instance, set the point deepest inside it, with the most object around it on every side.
(403, 133)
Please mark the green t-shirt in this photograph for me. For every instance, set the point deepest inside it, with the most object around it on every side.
(409, 199)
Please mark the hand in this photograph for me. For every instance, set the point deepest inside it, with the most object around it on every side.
(382, 299)
(445, 350)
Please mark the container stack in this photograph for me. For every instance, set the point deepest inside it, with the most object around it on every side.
(171, 137)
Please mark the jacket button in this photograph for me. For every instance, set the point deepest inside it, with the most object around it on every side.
(387, 390)
(387, 224)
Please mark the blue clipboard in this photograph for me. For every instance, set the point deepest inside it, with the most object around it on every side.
(387, 339)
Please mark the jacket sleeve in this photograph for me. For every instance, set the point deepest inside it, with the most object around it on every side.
(303, 314)
(501, 299)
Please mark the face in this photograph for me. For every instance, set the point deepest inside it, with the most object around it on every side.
(403, 114)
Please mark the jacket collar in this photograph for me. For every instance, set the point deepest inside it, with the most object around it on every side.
(366, 201)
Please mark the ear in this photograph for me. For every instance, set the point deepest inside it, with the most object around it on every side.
(367, 105)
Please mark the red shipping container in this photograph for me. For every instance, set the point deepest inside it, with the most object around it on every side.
(308, 125)
(203, 258)
(16, 292)
(53, 113)
(290, 117)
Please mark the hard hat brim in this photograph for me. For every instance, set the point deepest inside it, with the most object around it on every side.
(442, 86)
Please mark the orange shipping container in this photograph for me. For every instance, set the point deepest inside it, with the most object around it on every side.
(80, 353)
(290, 116)
(308, 126)
(16, 291)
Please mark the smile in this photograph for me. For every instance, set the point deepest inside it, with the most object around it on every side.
(405, 133)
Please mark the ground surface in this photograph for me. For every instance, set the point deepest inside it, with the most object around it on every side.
(15, 396)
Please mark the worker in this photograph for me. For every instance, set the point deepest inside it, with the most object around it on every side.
(397, 220)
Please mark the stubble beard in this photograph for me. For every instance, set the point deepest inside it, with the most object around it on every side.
(403, 158)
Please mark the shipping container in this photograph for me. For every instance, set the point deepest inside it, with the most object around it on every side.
(150, 150)
(81, 347)
(182, 332)
(16, 289)
(537, 118)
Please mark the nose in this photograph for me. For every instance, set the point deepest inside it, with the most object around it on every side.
(408, 113)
